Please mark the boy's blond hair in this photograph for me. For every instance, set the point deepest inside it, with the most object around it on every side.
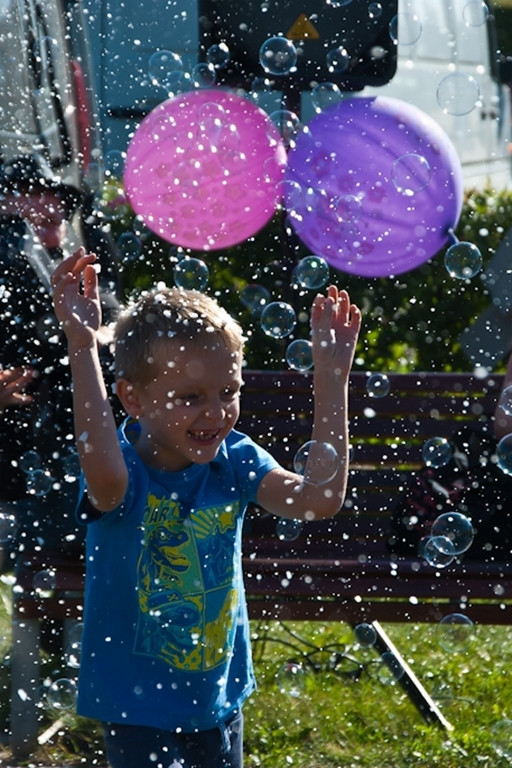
(164, 315)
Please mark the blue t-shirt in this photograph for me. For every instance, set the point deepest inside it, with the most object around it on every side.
(166, 633)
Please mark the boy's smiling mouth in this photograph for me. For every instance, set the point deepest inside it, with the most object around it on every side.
(204, 436)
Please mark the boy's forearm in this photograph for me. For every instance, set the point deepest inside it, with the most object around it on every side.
(330, 425)
(95, 426)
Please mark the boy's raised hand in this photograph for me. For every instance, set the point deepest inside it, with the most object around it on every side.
(335, 325)
(76, 298)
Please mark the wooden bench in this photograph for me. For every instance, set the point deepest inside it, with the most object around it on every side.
(338, 569)
(341, 569)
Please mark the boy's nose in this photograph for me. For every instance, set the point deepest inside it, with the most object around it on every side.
(215, 410)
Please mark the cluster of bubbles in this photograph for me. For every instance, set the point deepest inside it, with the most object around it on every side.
(39, 479)
(451, 535)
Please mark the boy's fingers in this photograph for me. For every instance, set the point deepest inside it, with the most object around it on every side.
(90, 281)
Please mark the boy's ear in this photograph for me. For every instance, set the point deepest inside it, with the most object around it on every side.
(128, 395)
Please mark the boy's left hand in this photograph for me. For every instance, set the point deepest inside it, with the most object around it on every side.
(335, 325)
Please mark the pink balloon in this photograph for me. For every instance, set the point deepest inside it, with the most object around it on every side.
(374, 185)
(203, 169)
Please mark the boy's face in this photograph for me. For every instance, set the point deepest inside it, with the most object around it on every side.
(190, 407)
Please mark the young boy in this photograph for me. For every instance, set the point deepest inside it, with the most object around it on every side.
(166, 661)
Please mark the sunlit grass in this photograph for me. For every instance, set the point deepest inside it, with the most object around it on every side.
(329, 715)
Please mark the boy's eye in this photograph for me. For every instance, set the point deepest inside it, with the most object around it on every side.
(185, 399)
(230, 393)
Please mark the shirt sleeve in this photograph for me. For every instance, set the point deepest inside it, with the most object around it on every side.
(251, 463)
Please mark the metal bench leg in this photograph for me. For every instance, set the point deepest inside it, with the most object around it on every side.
(25, 682)
(409, 682)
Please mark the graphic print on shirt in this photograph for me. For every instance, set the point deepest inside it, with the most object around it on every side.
(186, 584)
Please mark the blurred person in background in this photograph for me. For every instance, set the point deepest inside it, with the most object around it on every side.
(37, 457)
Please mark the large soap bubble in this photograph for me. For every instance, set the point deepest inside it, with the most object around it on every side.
(317, 461)
(457, 529)
(455, 633)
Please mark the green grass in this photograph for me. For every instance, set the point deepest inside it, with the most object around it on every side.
(328, 719)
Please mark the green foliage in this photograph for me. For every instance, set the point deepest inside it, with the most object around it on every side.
(411, 322)
(335, 720)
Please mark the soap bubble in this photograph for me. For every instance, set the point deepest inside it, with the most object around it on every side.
(325, 94)
(203, 75)
(311, 272)
(475, 13)
(458, 94)
(506, 401)
(74, 648)
(39, 482)
(410, 174)
(44, 581)
(405, 29)
(278, 319)
(129, 247)
(432, 555)
(456, 528)
(463, 260)
(299, 355)
(287, 529)
(501, 738)
(389, 669)
(337, 60)
(191, 274)
(71, 464)
(163, 66)
(254, 297)
(504, 454)
(436, 452)
(455, 633)
(62, 694)
(287, 123)
(375, 10)
(377, 385)
(218, 55)
(317, 461)
(30, 461)
(291, 679)
(278, 56)
(114, 163)
(365, 635)
(346, 208)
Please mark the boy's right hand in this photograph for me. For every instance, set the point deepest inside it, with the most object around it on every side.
(76, 299)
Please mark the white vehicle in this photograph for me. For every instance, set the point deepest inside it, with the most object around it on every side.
(448, 66)
(46, 96)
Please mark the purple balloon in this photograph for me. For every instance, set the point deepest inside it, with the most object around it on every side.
(374, 185)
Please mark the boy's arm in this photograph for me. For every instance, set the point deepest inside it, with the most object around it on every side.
(78, 310)
(335, 324)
